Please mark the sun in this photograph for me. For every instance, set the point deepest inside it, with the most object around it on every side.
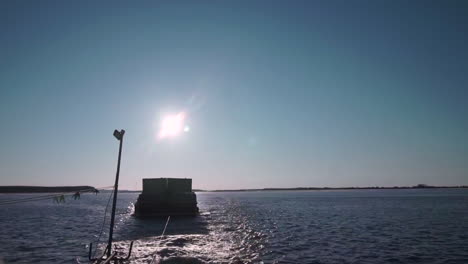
(172, 125)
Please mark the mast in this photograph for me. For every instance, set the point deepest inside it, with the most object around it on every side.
(119, 136)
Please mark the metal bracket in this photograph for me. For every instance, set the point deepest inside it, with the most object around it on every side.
(113, 256)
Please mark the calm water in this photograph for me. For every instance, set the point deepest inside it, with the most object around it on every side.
(372, 226)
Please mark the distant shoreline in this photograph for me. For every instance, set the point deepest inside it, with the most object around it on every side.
(46, 189)
(64, 189)
(421, 186)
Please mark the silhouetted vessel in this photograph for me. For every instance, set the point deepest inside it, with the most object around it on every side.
(166, 196)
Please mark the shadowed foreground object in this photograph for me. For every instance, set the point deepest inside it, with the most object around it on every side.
(112, 255)
(166, 196)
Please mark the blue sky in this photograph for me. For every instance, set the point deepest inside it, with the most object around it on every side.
(277, 93)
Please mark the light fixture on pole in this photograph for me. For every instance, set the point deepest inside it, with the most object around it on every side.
(119, 136)
(112, 255)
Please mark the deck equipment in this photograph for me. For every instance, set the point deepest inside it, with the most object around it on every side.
(109, 255)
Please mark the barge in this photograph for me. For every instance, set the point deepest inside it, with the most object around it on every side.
(166, 197)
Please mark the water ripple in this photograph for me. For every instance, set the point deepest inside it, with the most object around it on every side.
(393, 226)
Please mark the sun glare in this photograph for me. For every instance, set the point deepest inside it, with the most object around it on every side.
(172, 125)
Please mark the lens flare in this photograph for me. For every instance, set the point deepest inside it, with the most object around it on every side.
(172, 125)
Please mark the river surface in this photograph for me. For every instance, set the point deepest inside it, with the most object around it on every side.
(360, 226)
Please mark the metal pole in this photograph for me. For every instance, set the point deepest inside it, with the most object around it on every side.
(116, 187)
